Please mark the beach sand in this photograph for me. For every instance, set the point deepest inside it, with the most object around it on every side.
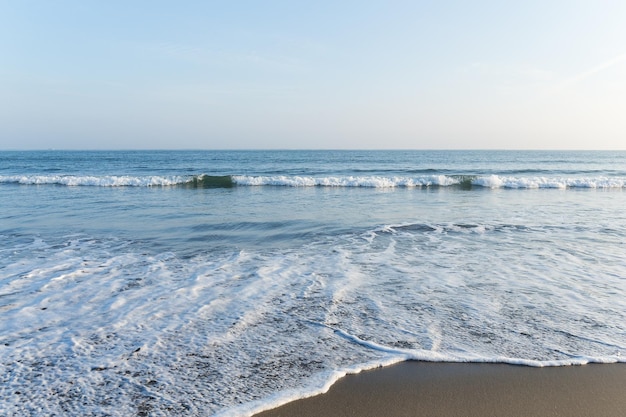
(470, 389)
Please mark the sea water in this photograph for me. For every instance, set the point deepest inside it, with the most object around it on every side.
(226, 282)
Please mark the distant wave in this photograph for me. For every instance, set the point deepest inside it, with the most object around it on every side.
(347, 181)
(226, 181)
(94, 181)
(195, 181)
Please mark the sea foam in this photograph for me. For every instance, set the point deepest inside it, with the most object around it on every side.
(92, 326)
(170, 299)
(94, 181)
(221, 181)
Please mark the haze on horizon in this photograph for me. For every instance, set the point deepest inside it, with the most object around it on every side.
(80, 74)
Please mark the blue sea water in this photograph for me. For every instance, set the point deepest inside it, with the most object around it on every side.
(226, 282)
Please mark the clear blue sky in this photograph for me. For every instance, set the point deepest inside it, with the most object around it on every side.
(324, 74)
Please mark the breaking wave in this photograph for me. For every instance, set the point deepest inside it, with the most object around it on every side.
(464, 182)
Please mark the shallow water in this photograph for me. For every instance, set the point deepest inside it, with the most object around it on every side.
(227, 282)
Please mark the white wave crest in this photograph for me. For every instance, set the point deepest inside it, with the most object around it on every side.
(491, 181)
(495, 181)
(94, 181)
(349, 181)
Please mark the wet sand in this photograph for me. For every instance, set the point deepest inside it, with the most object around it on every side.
(460, 389)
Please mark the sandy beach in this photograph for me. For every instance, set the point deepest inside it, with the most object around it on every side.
(465, 389)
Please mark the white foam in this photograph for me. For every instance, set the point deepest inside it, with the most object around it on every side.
(495, 181)
(93, 327)
(95, 181)
(321, 386)
(491, 181)
(349, 181)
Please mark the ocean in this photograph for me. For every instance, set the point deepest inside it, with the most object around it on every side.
(222, 283)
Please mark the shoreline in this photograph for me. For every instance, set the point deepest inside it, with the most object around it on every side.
(415, 388)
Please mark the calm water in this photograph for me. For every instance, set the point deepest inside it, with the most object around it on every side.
(222, 283)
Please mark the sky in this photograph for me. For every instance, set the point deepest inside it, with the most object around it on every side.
(112, 74)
